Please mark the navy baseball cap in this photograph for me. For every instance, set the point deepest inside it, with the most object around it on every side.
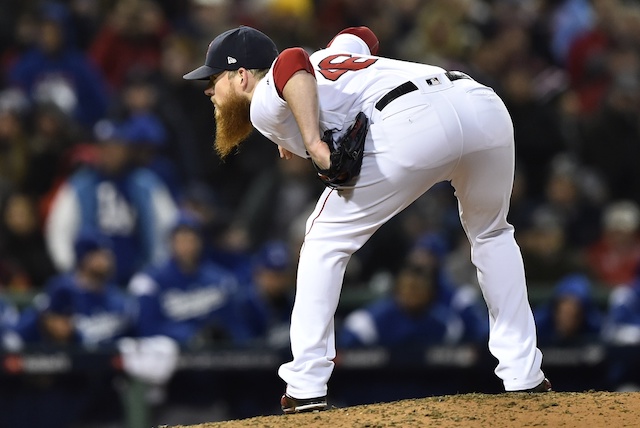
(274, 255)
(187, 220)
(144, 129)
(239, 47)
(89, 241)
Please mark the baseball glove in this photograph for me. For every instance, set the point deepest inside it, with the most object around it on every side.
(346, 153)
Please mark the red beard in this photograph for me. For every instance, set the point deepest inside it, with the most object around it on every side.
(233, 124)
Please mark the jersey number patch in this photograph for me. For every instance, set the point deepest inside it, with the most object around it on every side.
(334, 66)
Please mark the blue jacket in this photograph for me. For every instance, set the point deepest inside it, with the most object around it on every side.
(263, 321)
(99, 317)
(135, 211)
(384, 323)
(625, 306)
(184, 306)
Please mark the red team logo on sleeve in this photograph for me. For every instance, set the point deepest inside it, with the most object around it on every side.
(334, 66)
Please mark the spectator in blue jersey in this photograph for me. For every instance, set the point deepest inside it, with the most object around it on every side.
(128, 204)
(623, 316)
(266, 304)
(54, 71)
(412, 315)
(571, 316)
(186, 298)
(9, 314)
(83, 307)
(622, 329)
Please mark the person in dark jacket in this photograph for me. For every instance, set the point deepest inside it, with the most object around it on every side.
(266, 304)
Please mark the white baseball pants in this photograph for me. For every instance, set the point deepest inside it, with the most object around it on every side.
(458, 131)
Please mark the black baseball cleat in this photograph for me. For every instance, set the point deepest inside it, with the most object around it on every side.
(297, 405)
(544, 386)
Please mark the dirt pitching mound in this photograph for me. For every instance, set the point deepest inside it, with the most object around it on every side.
(554, 409)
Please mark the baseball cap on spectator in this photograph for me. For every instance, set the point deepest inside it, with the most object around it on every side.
(239, 47)
(187, 220)
(88, 242)
(274, 255)
(434, 243)
(143, 129)
(108, 131)
(200, 193)
(574, 285)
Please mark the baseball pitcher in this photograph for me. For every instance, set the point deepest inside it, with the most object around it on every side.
(380, 132)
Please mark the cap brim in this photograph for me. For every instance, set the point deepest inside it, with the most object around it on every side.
(202, 73)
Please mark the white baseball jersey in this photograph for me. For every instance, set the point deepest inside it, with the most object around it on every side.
(445, 129)
(350, 80)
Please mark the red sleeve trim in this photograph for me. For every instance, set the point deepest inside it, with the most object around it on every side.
(288, 63)
(365, 34)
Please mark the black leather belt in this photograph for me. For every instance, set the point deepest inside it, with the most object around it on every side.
(409, 87)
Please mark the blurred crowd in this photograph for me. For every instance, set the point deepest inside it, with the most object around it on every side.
(118, 220)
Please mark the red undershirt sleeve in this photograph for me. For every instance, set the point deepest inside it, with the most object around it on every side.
(288, 63)
(365, 34)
